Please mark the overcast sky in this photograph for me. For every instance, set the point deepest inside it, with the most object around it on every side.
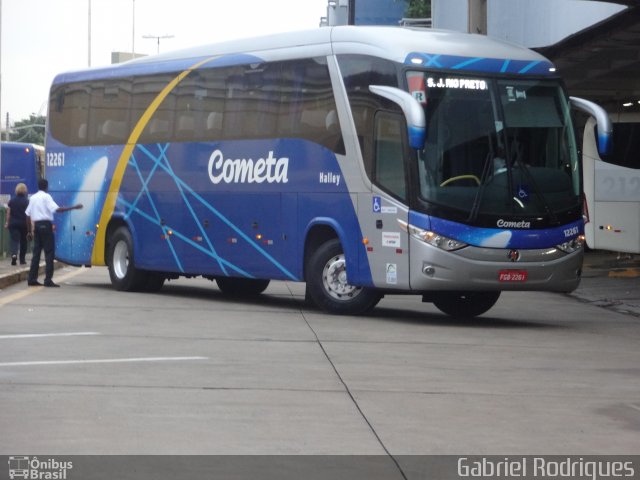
(41, 38)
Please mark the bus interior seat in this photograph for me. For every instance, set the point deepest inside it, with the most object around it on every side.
(185, 127)
(82, 131)
(331, 122)
(214, 123)
(158, 129)
(114, 130)
(313, 119)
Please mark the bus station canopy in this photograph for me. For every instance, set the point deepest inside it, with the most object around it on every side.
(602, 62)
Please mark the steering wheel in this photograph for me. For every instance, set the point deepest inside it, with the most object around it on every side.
(460, 177)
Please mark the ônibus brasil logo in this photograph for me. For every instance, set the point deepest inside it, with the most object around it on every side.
(33, 468)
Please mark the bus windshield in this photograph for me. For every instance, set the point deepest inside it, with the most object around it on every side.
(496, 147)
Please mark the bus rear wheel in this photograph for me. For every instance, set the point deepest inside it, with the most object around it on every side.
(122, 271)
(465, 304)
(242, 287)
(327, 284)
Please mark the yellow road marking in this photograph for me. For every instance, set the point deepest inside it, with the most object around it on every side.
(30, 290)
(625, 273)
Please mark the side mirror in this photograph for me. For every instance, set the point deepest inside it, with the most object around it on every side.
(413, 112)
(605, 127)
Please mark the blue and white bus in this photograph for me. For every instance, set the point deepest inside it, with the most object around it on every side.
(360, 160)
(20, 163)
(612, 186)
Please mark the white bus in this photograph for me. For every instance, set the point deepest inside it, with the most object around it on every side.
(612, 186)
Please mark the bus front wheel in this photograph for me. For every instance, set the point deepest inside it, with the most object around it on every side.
(124, 275)
(465, 304)
(327, 283)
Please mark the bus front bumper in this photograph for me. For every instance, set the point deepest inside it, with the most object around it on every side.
(490, 269)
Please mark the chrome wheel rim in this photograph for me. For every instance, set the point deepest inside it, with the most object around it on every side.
(120, 259)
(334, 279)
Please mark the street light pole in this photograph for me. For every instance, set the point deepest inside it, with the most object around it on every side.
(133, 31)
(158, 37)
(0, 86)
(89, 32)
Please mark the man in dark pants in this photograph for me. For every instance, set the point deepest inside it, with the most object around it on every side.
(40, 221)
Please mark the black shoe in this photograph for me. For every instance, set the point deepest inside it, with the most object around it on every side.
(23, 262)
(13, 259)
(51, 284)
(34, 284)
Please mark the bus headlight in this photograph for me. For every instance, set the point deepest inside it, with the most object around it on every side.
(572, 245)
(435, 239)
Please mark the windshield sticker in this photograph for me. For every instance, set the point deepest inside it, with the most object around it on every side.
(416, 86)
(523, 193)
(457, 83)
(513, 94)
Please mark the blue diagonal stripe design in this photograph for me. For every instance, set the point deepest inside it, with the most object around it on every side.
(144, 190)
(466, 63)
(161, 163)
(187, 240)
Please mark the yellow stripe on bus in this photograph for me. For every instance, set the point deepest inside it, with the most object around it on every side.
(97, 255)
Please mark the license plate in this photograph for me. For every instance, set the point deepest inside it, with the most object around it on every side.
(512, 276)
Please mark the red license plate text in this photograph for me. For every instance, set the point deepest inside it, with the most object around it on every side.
(512, 276)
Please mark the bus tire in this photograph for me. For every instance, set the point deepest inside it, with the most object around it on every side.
(122, 271)
(327, 283)
(465, 304)
(241, 287)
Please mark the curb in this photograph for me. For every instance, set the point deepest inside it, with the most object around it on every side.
(21, 274)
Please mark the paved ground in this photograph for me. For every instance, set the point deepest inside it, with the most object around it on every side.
(195, 372)
(611, 280)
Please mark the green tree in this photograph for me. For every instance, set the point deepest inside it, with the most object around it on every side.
(29, 130)
(418, 9)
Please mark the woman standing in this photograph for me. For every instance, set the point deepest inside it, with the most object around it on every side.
(17, 224)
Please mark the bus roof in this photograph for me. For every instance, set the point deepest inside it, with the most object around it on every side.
(432, 48)
(20, 146)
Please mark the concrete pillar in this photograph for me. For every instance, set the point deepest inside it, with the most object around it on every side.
(477, 19)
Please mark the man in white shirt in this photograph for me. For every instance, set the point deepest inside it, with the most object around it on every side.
(40, 221)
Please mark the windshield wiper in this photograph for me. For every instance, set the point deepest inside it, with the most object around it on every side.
(486, 168)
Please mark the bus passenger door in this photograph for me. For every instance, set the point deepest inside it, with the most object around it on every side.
(76, 229)
(383, 214)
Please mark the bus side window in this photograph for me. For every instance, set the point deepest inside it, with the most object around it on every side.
(626, 145)
(109, 112)
(389, 167)
(69, 114)
(358, 72)
(308, 105)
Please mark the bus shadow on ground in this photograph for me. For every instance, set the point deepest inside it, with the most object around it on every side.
(297, 303)
(443, 320)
